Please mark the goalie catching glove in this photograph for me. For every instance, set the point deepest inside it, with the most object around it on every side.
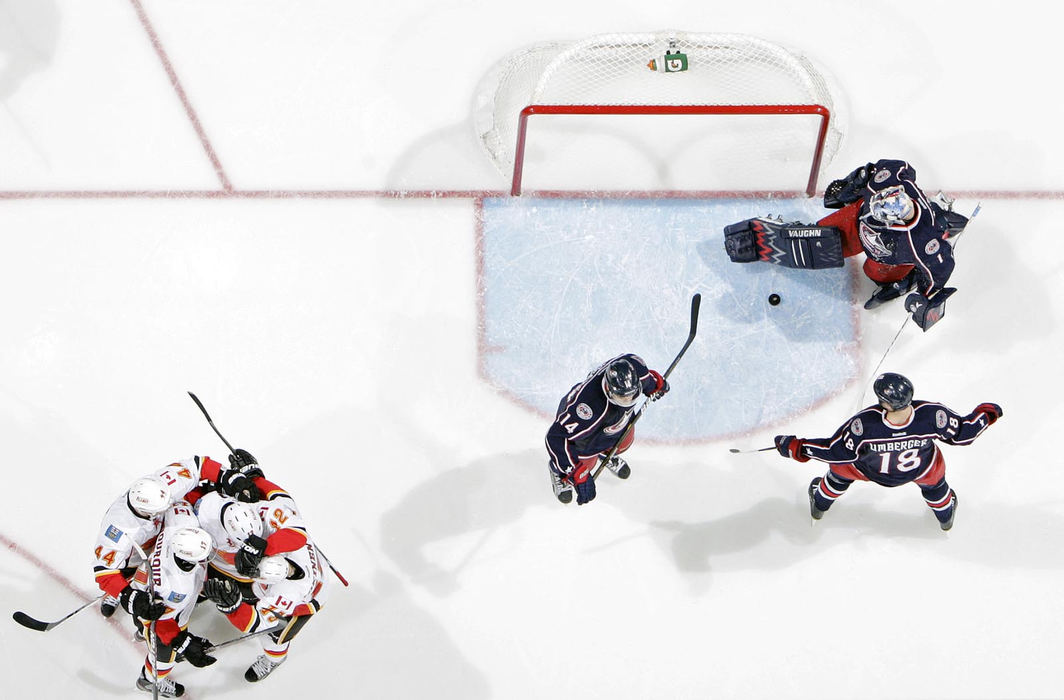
(849, 189)
(795, 245)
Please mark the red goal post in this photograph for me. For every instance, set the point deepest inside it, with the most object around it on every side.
(663, 73)
(817, 147)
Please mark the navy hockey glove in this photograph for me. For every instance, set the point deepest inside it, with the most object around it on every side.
(224, 593)
(585, 491)
(193, 648)
(141, 604)
(991, 410)
(249, 555)
(245, 462)
(661, 389)
(583, 484)
(927, 311)
(790, 446)
(235, 484)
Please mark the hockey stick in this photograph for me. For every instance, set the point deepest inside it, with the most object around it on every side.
(233, 452)
(153, 639)
(696, 301)
(35, 624)
(209, 421)
(737, 451)
(241, 638)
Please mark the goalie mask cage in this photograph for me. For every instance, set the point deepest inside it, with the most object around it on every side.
(752, 81)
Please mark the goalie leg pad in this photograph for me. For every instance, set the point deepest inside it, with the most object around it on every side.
(795, 245)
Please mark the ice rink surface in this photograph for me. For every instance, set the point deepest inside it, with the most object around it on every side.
(281, 207)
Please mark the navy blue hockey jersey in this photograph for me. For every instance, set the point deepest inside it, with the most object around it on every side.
(890, 454)
(922, 242)
(587, 423)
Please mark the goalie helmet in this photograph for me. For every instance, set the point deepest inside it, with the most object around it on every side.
(149, 496)
(273, 569)
(621, 383)
(191, 544)
(892, 206)
(893, 390)
(240, 520)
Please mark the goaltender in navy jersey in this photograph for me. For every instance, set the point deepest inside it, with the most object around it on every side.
(921, 242)
(587, 423)
(890, 454)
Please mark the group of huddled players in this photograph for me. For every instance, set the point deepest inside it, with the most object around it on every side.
(199, 532)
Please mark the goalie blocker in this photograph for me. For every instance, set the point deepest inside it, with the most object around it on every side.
(794, 245)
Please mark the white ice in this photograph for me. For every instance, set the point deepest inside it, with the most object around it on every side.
(335, 336)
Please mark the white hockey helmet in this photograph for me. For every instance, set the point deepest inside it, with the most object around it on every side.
(892, 206)
(272, 569)
(149, 495)
(240, 520)
(191, 544)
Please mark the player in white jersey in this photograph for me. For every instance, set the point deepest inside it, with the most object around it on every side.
(289, 588)
(230, 523)
(178, 568)
(135, 517)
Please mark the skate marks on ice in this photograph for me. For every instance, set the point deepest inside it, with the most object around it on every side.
(567, 283)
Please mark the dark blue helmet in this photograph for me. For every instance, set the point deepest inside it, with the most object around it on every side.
(621, 383)
(893, 390)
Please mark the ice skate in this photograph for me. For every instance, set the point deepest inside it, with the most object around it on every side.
(563, 491)
(108, 605)
(953, 514)
(167, 687)
(813, 510)
(887, 292)
(262, 667)
(619, 467)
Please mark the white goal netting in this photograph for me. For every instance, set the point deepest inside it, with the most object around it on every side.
(617, 70)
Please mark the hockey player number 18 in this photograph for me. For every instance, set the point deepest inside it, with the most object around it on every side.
(907, 461)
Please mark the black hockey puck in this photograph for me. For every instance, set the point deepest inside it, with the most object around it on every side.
(774, 299)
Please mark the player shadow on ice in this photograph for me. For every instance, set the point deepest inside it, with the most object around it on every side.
(28, 39)
(431, 159)
(362, 629)
(477, 498)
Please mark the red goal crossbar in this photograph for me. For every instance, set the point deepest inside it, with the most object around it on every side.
(522, 125)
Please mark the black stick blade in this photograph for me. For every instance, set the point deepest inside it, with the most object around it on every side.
(27, 621)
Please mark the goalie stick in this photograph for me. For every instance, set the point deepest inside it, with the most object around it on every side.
(35, 624)
(233, 452)
(696, 301)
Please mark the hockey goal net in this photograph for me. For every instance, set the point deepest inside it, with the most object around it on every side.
(770, 111)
